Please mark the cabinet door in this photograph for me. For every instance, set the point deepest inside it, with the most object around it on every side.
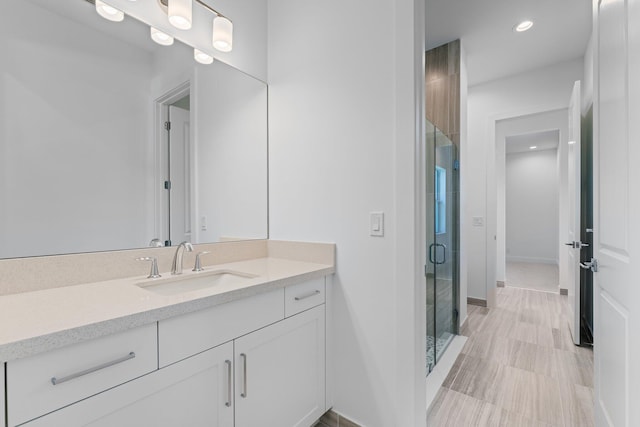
(280, 372)
(193, 393)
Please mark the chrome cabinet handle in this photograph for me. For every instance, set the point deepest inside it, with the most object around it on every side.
(244, 375)
(229, 385)
(309, 295)
(56, 381)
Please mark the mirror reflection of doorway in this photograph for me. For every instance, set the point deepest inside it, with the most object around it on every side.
(175, 167)
(179, 171)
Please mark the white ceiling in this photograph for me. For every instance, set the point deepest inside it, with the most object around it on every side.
(560, 32)
(547, 140)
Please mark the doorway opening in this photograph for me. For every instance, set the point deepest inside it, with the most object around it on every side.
(175, 166)
(532, 185)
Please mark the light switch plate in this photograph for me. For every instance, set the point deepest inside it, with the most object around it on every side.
(478, 221)
(376, 224)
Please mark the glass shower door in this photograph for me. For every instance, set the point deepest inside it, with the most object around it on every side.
(442, 243)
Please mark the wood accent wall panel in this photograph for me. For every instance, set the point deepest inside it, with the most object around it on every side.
(442, 85)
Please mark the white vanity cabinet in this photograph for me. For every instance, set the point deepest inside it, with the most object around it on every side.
(196, 392)
(49, 381)
(255, 361)
(280, 372)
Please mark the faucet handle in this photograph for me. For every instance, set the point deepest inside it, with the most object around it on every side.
(153, 274)
(198, 264)
(155, 243)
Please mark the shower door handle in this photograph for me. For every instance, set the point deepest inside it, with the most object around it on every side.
(431, 246)
(444, 253)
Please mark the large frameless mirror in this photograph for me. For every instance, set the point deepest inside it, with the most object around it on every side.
(109, 140)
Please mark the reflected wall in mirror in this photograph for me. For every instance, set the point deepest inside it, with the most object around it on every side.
(84, 155)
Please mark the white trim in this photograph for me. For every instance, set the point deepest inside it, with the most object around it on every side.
(532, 260)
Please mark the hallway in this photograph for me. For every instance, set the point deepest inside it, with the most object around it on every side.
(535, 276)
(518, 368)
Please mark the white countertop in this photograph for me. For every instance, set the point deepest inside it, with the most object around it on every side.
(39, 321)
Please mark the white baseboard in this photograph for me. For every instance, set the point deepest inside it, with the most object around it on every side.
(532, 260)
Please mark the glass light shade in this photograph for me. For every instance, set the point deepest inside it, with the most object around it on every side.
(180, 13)
(222, 34)
(109, 12)
(202, 57)
(161, 38)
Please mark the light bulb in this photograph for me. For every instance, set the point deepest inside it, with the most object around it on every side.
(161, 38)
(202, 57)
(222, 34)
(109, 12)
(180, 13)
(523, 26)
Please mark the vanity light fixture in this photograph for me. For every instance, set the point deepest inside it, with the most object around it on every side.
(180, 13)
(161, 38)
(533, 147)
(222, 34)
(202, 57)
(109, 12)
(523, 26)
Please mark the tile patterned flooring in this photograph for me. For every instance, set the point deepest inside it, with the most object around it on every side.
(519, 367)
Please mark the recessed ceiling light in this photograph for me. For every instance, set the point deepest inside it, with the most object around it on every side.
(523, 26)
(533, 147)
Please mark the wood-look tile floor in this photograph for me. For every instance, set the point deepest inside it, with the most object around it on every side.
(519, 367)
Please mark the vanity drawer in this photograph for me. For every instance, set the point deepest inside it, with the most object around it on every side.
(78, 371)
(183, 336)
(304, 296)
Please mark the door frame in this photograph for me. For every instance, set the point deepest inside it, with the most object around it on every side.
(161, 156)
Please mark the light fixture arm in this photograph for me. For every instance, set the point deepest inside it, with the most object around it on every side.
(206, 6)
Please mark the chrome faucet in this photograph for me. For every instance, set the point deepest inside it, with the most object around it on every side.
(176, 267)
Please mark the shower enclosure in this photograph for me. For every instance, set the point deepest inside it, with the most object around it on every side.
(442, 239)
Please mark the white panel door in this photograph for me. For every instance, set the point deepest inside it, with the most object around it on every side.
(195, 392)
(280, 373)
(617, 213)
(180, 205)
(573, 193)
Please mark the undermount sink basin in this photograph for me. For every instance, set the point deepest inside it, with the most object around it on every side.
(179, 284)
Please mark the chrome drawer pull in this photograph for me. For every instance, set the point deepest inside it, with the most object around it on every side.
(229, 385)
(244, 375)
(309, 295)
(56, 381)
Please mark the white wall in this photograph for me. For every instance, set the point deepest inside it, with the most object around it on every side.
(537, 91)
(532, 190)
(345, 92)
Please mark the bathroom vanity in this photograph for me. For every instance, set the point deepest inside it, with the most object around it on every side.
(245, 352)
